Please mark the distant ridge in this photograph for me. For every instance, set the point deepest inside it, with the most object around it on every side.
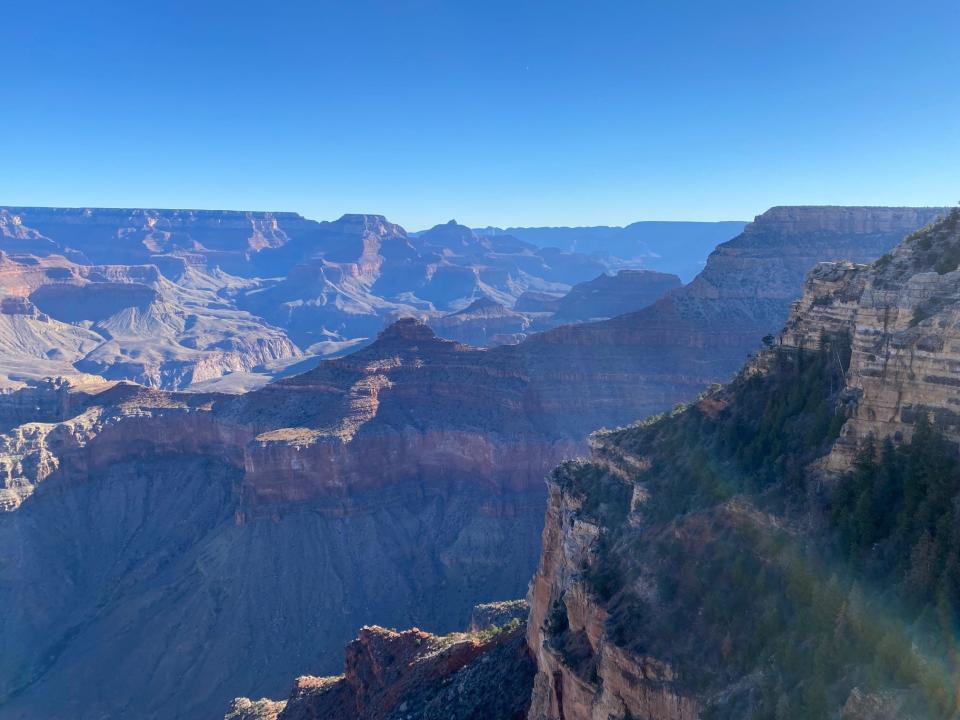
(678, 247)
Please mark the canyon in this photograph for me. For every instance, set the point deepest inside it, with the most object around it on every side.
(180, 299)
(199, 546)
(663, 548)
(698, 565)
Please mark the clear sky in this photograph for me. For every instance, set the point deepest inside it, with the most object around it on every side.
(504, 113)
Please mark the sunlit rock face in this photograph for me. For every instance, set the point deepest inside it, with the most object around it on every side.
(902, 314)
(613, 372)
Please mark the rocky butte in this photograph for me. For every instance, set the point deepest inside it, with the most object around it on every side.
(195, 547)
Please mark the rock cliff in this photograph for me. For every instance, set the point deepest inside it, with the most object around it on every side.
(237, 523)
(759, 554)
(214, 539)
(389, 674)
(902, 315)
(615, 371)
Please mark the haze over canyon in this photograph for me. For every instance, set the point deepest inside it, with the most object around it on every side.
(231, 440)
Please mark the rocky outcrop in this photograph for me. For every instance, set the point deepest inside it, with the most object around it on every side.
(901, 314)
(581, 672)
(390, 674)
(612, 372)
(498, 614)
(665, 554)
(263, 709)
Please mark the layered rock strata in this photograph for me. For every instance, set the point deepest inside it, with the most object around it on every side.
(902, 315)
(665, 554)
(237, 524)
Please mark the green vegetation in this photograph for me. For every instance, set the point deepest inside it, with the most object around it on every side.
(949, 260)
(898, 518)
(606, 498)
(936, 245)
(920, 313)
(488, 633)
(772, 426)
(809, 591)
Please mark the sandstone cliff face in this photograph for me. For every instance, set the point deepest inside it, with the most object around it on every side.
(581, 673)
(901, 314)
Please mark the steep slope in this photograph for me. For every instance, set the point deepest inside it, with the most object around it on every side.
(712, 563)
(610, 295)
(484, 673)
(612, 372)
(236, 525)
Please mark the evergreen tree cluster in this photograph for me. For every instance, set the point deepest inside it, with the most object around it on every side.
(852, 585)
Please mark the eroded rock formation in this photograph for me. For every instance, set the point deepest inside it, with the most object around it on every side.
(706, 563)
(395, 675)
(902, 315)
(215, 540)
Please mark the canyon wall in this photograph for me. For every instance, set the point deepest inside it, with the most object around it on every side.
(901, 314)
(194, 547)
(695, 566)
(197, 547)
(612, 372)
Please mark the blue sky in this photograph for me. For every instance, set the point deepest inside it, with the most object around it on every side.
(506, 113)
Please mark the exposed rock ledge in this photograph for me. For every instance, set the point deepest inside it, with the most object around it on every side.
(413, 674)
